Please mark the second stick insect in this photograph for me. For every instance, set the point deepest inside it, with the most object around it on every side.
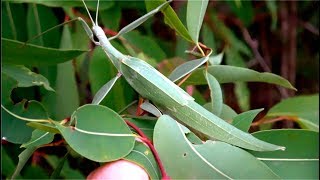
(165, 94)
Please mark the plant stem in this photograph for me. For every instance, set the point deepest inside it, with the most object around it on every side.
(146, 140)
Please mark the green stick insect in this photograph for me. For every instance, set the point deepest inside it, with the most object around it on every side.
(165, 94)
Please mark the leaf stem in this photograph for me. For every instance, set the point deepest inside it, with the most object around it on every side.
(280, 118)
(146, 140)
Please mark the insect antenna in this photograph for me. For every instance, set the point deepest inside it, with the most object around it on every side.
(88, 12)
(97, 12)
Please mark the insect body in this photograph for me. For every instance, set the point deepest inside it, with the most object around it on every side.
(151, 84)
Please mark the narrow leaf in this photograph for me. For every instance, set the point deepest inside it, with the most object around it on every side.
(213, 159)
(244, 120)
(195, 14)
(104, 90)
(147, 106)
(141, 20)
(23, 158)
(187, 68)
(215, 94)
(91, 5)
(16, 52)
(171, 18)
(227, 74)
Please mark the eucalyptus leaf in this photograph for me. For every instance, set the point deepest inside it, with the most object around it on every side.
(143, 156)
(213, 159)
(66, 171)
(236, 74)
(186, 68)
(91, 4)
(39, 138)
(301, 158)
(6, 160)
(7, 85)
(28, 54)
(146, 126)
(305, 108)
(99, 134)
(215, 94)
(216, 59)
(25, 77)
(195, 14)
(171, 18)
(244, 120)
(146, 44)
(23, 158)
(227, 113)
(147, 106)
(15, 130)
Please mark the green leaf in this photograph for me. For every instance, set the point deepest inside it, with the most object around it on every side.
(149, 107)
(66, 171)
(146, 44)
(216, 59)
(244, 120)
(227, 74)
(215, 94)
(7, 85)
(44, 127)
(301, 158)
(39, 19)
(227, 113)
(13, 19)
(65, 100)
(111, 17)
(244, 12)
(39, 138)
(8, 164)
(34, 55)
(213, 159)
(77, 3)
(146, 126)
(99, 134)
(242, 93)
(25, 77)
(171, 18)
(305, 108)
(195, 14)
(23, 158)
(15, 130)
(142, 156)
(186, 68)
(272, 7)
(208, 37)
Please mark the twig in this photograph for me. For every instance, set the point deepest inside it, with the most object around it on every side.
(146, 140)
(280, 118)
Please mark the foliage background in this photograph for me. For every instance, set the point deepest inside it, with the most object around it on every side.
(275, 36)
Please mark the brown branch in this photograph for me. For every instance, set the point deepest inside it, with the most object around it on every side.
(146, 140)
